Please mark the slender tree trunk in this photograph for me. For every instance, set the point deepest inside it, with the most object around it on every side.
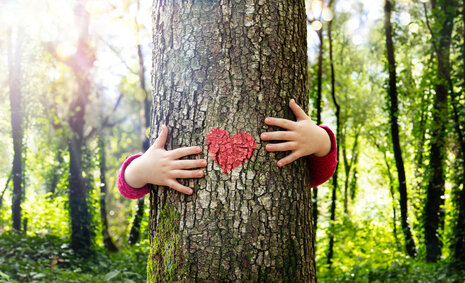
(228, 65)
(134, 234)
(459, 241)
(353, 185)
(4, 189)
(107, 241)
(57, 171)
(81, 63)
(318, 122)
(348, 165)
(391, 190)
(338, 134)
(14, 78)
(441, 32)
(394, 112)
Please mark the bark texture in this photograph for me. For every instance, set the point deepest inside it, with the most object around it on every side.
(393, 113)
(230, 64)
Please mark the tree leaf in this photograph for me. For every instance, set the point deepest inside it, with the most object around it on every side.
(112, 274)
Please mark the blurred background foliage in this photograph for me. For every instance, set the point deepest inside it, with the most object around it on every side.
(39, 41)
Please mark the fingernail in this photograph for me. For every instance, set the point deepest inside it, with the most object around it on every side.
(264, 136)
(190, 192)
(200, 173)
(198, 148)
(280, 164)
(204, 163)
(269, 147)
(267, 120)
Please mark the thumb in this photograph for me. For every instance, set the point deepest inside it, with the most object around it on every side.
(161, 139)
(298, 112)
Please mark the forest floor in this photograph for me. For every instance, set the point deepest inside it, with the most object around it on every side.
(50, 259)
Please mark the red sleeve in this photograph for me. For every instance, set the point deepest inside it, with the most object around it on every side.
(124, 188)
(322, 168)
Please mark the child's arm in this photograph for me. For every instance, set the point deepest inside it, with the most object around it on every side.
(304, 138)
(159, 167)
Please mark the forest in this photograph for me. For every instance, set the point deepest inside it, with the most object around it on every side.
(87, 83)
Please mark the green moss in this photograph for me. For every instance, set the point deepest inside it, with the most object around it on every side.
(165, 263)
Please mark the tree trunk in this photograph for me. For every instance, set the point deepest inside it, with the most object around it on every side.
(81, 63)
(14, 79)
(230, 64)
(134, 233)
(393, 113)
(318, 122)
(348, 165)
(4, 189)
(338, 134)
(441, 32)
(459, 240)
(107, 241)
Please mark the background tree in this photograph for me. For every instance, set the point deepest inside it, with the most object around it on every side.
(393, 113)
(230, 65)
(80, 64)
(441, 31)
(134, 234)
(14, 78)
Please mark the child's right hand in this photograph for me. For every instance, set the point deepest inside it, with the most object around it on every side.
(161, 167)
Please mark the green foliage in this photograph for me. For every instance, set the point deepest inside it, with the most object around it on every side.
(404, 271)
(48, 258)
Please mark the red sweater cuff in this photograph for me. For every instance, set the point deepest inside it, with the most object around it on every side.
(322, 168)
(126, 190)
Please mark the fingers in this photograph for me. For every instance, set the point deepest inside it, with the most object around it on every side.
(184, 151)
(298, 112)
(180, 188)
(189, 164)
(285, 146)
(186, 174)
(288, 159)
(283, 123)
(161, 139)
(278, 136)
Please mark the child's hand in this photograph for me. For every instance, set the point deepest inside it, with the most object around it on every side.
(303, 137)
(161, 167)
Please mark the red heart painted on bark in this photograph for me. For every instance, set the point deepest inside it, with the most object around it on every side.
(228, 152)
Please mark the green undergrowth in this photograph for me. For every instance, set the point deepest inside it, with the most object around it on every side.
(50, 259)
(405, 272)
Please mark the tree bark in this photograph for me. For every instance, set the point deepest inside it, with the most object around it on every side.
(80, 63)
(338, 135)
(393, 113)
(14, 79)
(230, 64)
(441, 32)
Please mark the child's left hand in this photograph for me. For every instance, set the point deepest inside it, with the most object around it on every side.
(302, 137)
